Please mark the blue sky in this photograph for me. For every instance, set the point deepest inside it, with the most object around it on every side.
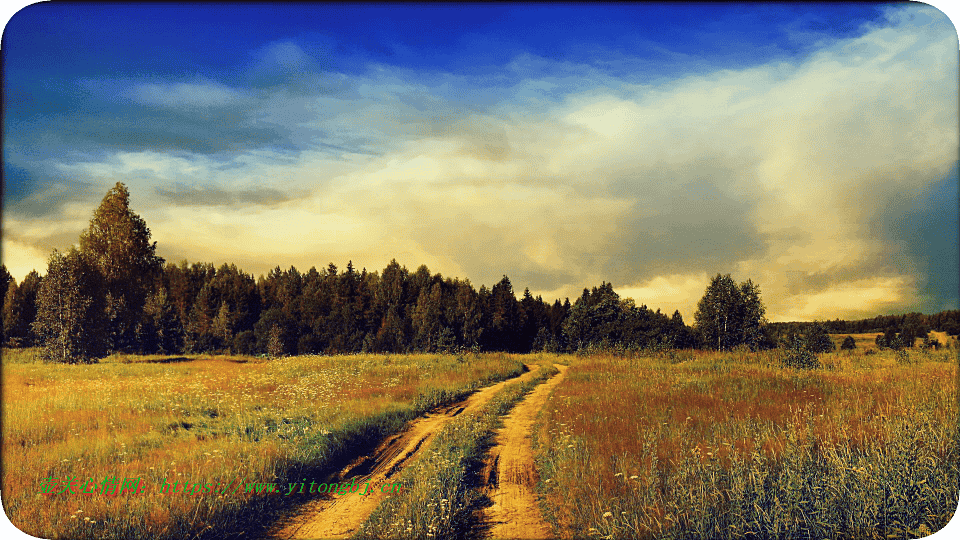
(810, 147)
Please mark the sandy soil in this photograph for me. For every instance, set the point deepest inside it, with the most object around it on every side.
(510, 473)
(340, 516)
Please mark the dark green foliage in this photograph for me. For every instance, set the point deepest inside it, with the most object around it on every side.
(817, 340)
(160, 330)
(71, 322)
(245, 343)
(147, 307)
(20, 311)
(916, 324)
(504, 320)
(729, 315)
(5, 280)
(228, 303)
(890, 340)
(848, 344)
(798, 355)
(117, 244)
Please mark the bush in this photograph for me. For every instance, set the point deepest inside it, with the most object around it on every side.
(930, 343)
(817, 339)
(848, 344)
(799, 356)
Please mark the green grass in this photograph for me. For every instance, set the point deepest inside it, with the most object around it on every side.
(204, 419)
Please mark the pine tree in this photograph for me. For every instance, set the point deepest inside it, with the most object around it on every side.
(70, 310)
(162, 330)
(117, 244)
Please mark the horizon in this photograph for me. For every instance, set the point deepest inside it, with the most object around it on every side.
(811, 148)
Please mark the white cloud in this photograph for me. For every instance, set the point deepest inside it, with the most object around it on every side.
(185, 95)
(639, 185)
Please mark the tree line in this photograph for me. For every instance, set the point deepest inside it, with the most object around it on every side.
(906, 327)
(114, 294)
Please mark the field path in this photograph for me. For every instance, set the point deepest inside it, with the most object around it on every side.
(340, 516)
(510, 474)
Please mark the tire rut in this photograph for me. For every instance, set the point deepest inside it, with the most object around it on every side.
(340, 516)
(510, 472)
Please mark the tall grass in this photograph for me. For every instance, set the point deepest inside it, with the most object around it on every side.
(203, 419)
(439, 496)
(732, 445)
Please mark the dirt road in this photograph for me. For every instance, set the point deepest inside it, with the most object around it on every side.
(340, 516)
(510, 473)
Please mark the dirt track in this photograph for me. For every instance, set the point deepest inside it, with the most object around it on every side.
(510, 473)
(340, 516)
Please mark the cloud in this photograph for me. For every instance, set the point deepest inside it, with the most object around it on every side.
(188, 96)
(819, 177)
(214, 196)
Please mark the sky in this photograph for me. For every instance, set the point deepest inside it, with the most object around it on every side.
(809, 147)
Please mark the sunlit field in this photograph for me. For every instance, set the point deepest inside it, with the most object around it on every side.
(202, 419)
(723, 445)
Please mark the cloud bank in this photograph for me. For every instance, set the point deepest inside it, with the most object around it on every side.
(828, 178)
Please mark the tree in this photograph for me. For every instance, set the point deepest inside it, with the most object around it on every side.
(161, 330)
(729, 315)
(117, 244)
(889, 339)
(5, 280)
(817, 340)
(848, 344)
(20, 311)
(799, 355)
(71, 320)
(426, 317)
(751, 315)
(504, 317)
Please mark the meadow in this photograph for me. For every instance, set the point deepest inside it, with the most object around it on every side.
(732, 445)
(668, 444)
(203, 419)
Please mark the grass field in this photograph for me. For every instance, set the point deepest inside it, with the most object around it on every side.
(207, 420)
(680, 444)
(726, 445)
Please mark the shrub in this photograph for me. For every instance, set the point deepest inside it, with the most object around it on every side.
(930, 343)
(799, 355)
(817, 339)
(848, 344)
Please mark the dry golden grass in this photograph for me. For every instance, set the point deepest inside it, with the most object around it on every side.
(732, 445)
(201, 419)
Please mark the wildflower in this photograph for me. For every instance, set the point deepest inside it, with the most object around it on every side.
(607, 515)
(618, 474)
(634, 477)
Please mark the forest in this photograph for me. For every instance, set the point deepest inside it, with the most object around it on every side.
(114, 294)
